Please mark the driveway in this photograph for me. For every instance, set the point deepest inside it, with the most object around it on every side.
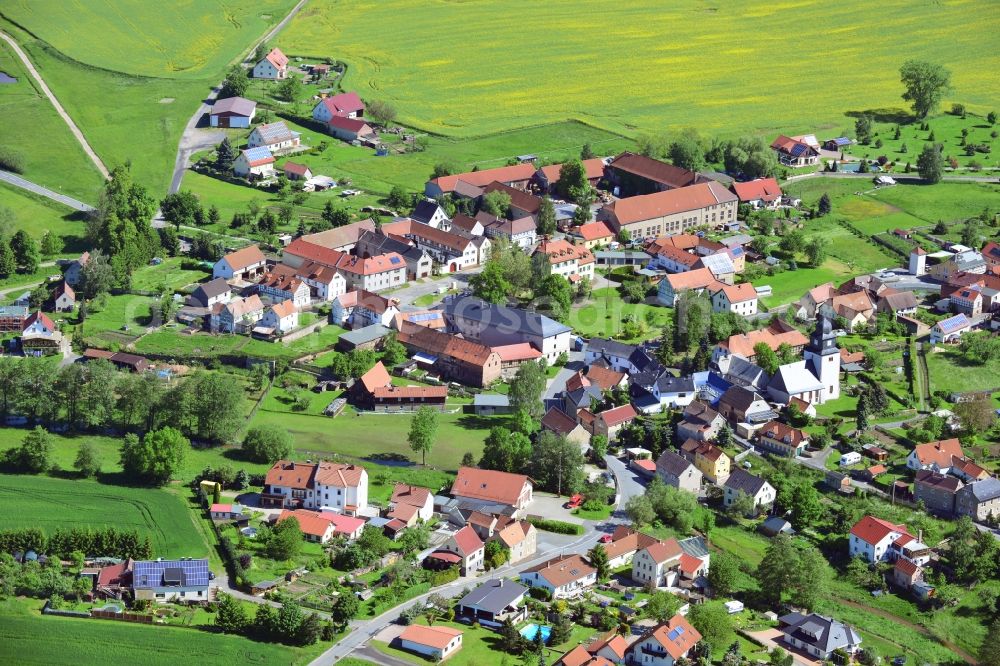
(414, 290)
(558, 383)
(551, 506)
(629, 484)
(771, 638)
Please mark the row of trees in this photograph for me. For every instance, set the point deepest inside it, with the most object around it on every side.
(287, 624)
(67, 542)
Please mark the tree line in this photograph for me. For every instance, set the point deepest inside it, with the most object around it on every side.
(64, 542)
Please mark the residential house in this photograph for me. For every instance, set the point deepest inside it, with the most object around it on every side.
(856, 307)
(519, 231)
(610, 422)
(876, 540)
(431, 213)
(741, 481)
(710, 460)
(497, 325)
(454, 358)
(237, 316)
(209, 293)
(374, 391)
(564, 576)
(721, 265)
(936, 456)
(625, 543)
(437, 642)
(512, 357)
(344, 105)
(617, 355)
(520, 538)
(968, 301)
(342, 239)
(421, 499)
(473, 226)
(272, 66)
(671, 211)
(232, 112)
(493, 602)
(336, 487)
(630, 174)
(896, 303)
(605, 378)
(276, 137)
(39, 336)
(244, 264)
(573, 262)
(794, 153)
(738, 299)
(937, 491)
(314, 527)
(349, 527)
(782, 439)
(606, 651)
(360, 309)
(74, 269)
(466, 544)
(699, 422)
(221, 511)
(382, 271)
(557, 421)
(675, 471)
(665, 644)
(254, 163)
(739, 372)
(296, 171)
(279, 318)
(349, 129)
(906, 574)
(63, 298)
(950, 329)
(485, 487)
(517, 176)
(655, 565)
(773, 335)
(592, 234)
(946, 264)
(454, 250)
(282, 283)
(171, 580)
(547, 176)
(818, 635)
(759, 193)
(979, 500)
(675, 284)
(419, 263)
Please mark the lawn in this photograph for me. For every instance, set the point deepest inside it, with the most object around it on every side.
(27, 637)
(662, 80)
(170, 340)
(947, 130)
(365, 435)
(603, 314)
(168, 275)
(950, 372)
(57, 162)
(51, 503)
(37, 215)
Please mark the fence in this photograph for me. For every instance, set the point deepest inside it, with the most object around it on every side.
(302, 332)
(124, 616)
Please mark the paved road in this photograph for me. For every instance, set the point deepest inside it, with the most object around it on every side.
(17, 181)
(629, 485)
(195, 139)
(55, 102)
(899, 178)
(558, 383)
(414, 290)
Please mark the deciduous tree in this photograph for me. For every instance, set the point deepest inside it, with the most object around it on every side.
(267, 443)
(925, 84)
(423, 429)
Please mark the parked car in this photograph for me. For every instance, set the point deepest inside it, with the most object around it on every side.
(574, 502)
(606, 538)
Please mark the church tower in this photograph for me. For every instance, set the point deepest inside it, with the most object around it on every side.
(822, 357)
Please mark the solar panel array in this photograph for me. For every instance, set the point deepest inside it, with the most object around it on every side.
(675, 633)
(150, 574)
(394, 260)
(423, 316)
(259, 153)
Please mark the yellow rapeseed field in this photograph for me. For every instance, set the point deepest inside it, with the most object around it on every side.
(472, 67)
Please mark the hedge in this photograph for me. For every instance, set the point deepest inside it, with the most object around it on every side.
(557, 526)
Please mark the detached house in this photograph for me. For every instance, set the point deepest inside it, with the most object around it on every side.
(520, 538)
(171, 580)
(336, 487)
(760, 193)
(741, 481)
(876, 540)
(214, 291)
(936, 456)
(738, 299)
(469, 547)
(573, 262)
(486, 487)
(818, 635)
(236, 316)
(276, 137)
(272, 66)
(665, 644)
(794, 153)
(777, 437)
(349, 129)
(344, 105)
(254, 163)
(242, 264)
(564, 577)
(656, 564)
(314, 527)
(280, 318)
(493, 602)
(675, 471)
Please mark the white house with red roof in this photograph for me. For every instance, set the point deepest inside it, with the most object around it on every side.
(280, 318)
(344, 105)
(467, 545)
(220, 511)
(878, 540)
(421, 499)
(349, 527)
(739, 299)
(936, 456)
(336, 487)
(570, 261)
(656, 564)
(564, 576)
(437, 642)
(314, 527)
(491, 487)
(241, 264)
(38, 323)
(254, 163)
(349, 129)
(759, 193)
(665, 644)
(272, 66)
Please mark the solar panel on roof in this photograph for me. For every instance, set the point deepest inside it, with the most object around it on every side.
(393, 260)
(423, 316)
(675, 633)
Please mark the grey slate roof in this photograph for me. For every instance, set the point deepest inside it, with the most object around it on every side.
(694, 546)
(740, 479)
(672, 463)
(745, 373)
(424, 211)
(610, 347)
(985, 490)
(776, 525)
(820, 631)
(385, 244)
(360, 336)
(210, 289)
(503, 318)
(494, 596)
(491, 400)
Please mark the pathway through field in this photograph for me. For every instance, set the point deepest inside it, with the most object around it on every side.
(55, 102)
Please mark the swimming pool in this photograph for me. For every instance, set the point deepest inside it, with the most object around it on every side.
(530, 631)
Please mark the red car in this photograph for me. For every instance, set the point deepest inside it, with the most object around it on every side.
(574, 501)
(606, 538)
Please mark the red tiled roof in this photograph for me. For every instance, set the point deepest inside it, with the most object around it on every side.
(489, 485)
(558, 421)
(467, 540)
(277, 58)
(288, 474)
(738, 293)
(344, 103)
(683, 641)
(437, 637)
(356, 125)
(339, 475)
(310, 522)
(592, 231)
(606, 378)
(508, 174)
(404, 493)
(690, 564)
(560, 251)
(872, 530)
(655, 170)
(661, 204)
(765, 189)
(529, 203)
(663, 551)
(779, 431)
(296, 168)
(318, 254)
(906, 567)
(594, 168)
(521, 351)
(618, 415)
(939, 453)
(342, 524)
(698, 278)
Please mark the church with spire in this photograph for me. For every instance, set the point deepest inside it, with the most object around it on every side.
(816, 378)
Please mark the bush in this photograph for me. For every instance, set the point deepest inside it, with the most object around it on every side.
(11, 160)
(540, 593)
(557, 526)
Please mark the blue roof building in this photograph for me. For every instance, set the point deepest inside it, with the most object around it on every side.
(172, 580)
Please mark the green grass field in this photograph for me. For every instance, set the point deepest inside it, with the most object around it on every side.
(51, 503)
(27, 637)
(32, 129)
(947, 130)
(602, 316)
(949, 372)
(36, 215)
(645, 65)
